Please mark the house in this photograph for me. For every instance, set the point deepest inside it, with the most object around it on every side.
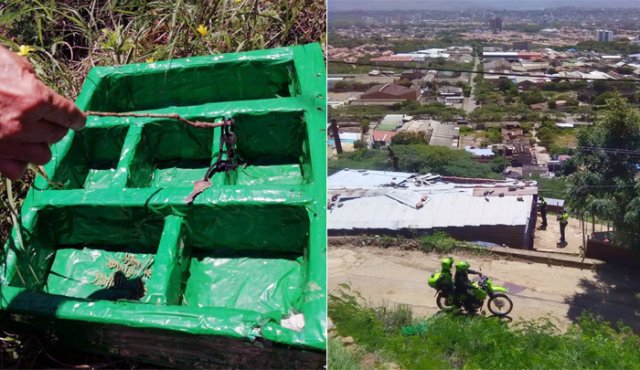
(396, 203)
(450, 91)
(382, 138)
(412, 75)
(388, 94)
(498, 65)
(479, 154)
(522, 155)
(392, 122)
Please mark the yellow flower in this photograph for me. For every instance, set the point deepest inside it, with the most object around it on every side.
(202, 30)
(23, 50)
(151, 60)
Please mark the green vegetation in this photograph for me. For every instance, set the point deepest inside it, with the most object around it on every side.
(438, 160)
(412, 108)
(439, 241)
(606, 187)
(419, 158)
(366, 159)
(361, 112)
(493, 112)
(407, 137)
(341, 358)
(70, 36)
(615, 47)
(552, 187)
(455, 341)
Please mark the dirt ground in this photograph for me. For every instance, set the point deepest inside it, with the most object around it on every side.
(547, 240)
(396, 276)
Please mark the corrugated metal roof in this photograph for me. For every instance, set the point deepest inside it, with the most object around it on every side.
(350, 179)
(455, 209)
(448, 204)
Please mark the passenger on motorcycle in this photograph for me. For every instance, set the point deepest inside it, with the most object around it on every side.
(463, 288)
(443, 280)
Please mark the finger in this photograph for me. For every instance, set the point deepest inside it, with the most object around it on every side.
(12, 169)
(26, 152)
(15, 58)
(61, 111)
(39, 132)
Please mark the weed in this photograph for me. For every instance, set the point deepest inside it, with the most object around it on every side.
(478, 342)
(341, 358)
(439, 241)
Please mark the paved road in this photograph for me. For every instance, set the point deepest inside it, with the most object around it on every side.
(469, 103)
(538, 290)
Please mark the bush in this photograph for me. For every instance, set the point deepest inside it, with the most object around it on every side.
(406, 138)
(439, 241)
(367, 159)
(437, 160)
(342, 358)
(359, 144)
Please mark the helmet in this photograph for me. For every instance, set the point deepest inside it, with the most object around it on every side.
(462, 266)
(433, 279)
(446, 263)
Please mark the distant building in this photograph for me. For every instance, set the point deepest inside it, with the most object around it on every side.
(522, 45)
(511, 56)
(392, 122)
(604, 35)
(495, 24)
(383, 138)
(479, 154)
(387, 94)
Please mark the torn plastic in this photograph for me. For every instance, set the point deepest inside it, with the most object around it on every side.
(119, 245)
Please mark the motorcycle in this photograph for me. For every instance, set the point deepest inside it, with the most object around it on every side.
(498, 304)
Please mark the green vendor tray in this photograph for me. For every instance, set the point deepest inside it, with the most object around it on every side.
(247, 256)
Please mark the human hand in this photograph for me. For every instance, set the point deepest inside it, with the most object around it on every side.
(32, 116)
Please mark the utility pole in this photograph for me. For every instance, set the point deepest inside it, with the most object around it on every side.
(336, 135)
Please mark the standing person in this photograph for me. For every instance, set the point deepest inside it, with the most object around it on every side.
(543, 212)
(563, 218)
(32, 116)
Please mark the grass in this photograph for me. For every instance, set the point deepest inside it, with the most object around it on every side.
(71, 36)
(456, 341)
(341, 358)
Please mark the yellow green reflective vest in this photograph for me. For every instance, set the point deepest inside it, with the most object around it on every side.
(564, 218)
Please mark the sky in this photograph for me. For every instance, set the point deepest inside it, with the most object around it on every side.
(462, 4)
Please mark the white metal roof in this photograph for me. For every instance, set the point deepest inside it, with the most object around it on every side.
(456, 208)
(352, 179)
(367, 201)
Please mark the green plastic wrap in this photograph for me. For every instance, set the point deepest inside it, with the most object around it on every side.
(119, 245)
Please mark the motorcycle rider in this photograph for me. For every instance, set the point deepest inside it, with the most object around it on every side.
(463, 289)
(445, 281)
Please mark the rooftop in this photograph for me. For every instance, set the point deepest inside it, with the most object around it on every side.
(399, 200)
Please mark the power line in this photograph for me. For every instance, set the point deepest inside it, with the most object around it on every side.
(483, 72)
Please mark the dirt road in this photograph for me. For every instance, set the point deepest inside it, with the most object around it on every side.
(400, 277)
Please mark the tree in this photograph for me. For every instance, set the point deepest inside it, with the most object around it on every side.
(552, 104)
(625, 70)
(364, 124)
(407, 137)
(606, 184)
(437, 160)
(504, 84)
